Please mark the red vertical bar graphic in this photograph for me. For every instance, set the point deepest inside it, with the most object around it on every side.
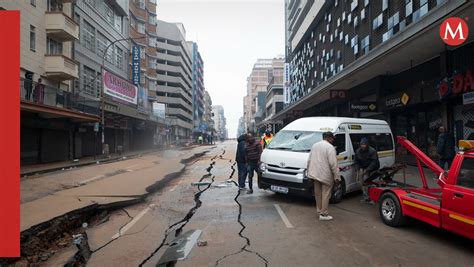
(10, 134)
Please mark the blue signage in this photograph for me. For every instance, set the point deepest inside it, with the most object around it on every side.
(136, 64)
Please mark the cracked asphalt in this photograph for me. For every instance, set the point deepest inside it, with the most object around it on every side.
(248, 229)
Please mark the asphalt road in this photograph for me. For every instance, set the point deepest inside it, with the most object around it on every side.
(278, 230)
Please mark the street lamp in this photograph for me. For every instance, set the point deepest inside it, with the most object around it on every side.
(103, 89)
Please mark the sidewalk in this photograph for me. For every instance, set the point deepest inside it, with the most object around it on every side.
(121, 189)
(35, 169)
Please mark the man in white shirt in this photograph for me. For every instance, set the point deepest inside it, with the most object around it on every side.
(323, 170)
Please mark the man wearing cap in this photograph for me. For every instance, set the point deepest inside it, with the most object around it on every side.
(323, 170)
(366, 162)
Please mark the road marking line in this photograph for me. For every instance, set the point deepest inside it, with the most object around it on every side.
(131, 223)
(91, 179)
(283, 216)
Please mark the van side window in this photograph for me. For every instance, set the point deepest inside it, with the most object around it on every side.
(340, 143)
(466, 173)
(379, 141)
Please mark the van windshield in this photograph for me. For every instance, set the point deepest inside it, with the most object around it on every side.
(297, 141)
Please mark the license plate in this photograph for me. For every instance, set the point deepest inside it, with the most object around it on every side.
(279, 189)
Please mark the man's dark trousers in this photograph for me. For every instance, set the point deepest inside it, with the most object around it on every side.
(242, 172)
(252, 167)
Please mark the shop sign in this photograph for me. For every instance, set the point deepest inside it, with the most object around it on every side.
(456, 85)
(338, 94)
(399, 101)
(468, 98)
(119, 88)
(364, 107)
(136, 64)
(286, 84)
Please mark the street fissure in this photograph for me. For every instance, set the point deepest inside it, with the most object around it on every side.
(245, 248)
(183, 222)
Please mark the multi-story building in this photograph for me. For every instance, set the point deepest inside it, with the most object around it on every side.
(241, 128)
(382, 59)
(199, 126)
(273, 102)
(102, 24)
(219, 122)
(52, 114)
(208, 114)
(175, 77)
(262, 72)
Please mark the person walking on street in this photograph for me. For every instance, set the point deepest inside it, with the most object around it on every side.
(445, 147)
(366, 162)
(200, 139)
(323, 170)
(253, 150)
(240, 159)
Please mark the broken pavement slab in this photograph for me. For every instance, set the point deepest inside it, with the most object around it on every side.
(123, 189)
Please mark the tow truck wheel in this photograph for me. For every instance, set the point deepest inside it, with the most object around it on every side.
(338, 191)
(390, 210)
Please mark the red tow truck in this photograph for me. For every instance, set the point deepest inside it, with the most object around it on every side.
(451, 206)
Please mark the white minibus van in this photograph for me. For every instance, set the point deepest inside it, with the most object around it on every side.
(284, 161)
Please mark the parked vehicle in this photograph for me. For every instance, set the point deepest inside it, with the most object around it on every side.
(284, 161)
(450, 207)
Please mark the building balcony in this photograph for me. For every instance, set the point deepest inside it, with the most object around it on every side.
(54, 102)
(61, 27)
(60, 68)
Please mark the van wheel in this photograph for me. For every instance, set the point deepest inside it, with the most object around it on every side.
(338, 192)
(390, 210)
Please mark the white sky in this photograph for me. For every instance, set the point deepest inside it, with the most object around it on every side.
(231, 35)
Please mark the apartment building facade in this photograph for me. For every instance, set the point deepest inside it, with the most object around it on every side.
(199, 125)
(382, 59)
(175, 77)
(52, 114)
(220, 122)
(261, 75)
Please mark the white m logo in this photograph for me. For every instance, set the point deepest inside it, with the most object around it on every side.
(454, 34)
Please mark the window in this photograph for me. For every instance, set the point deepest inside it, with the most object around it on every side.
(88, 36)
(89, 86)
(140, 27)
(377, 22)
(379, 141)
(141, 3)
(409, 9)
(340, 143)
(102, 43)
(152, 41)
(354, 5)
(366, 3)
(54, 5)
(118, 23)
(384, 5)
(119, 57)
(466, 173)
(54, 47)
(142, 52)
(33, 2)
(32, 38)
(142, 77)
(110, 55)
(133, 24)
(151, 19)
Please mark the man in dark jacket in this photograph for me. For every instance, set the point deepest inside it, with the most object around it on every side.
(445, 147)
(366, 162)
(241, 162)
(253, 150)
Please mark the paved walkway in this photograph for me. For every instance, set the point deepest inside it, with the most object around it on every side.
(128, 186)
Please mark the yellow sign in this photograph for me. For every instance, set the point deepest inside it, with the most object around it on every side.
(355, 127)
(405, 99)
(466, 144)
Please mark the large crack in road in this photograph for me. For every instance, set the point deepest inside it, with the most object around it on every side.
(183, 222)
(246, 247)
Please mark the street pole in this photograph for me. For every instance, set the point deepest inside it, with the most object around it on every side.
(102, 94)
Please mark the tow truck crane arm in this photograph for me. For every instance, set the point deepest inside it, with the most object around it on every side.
(420, 155)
